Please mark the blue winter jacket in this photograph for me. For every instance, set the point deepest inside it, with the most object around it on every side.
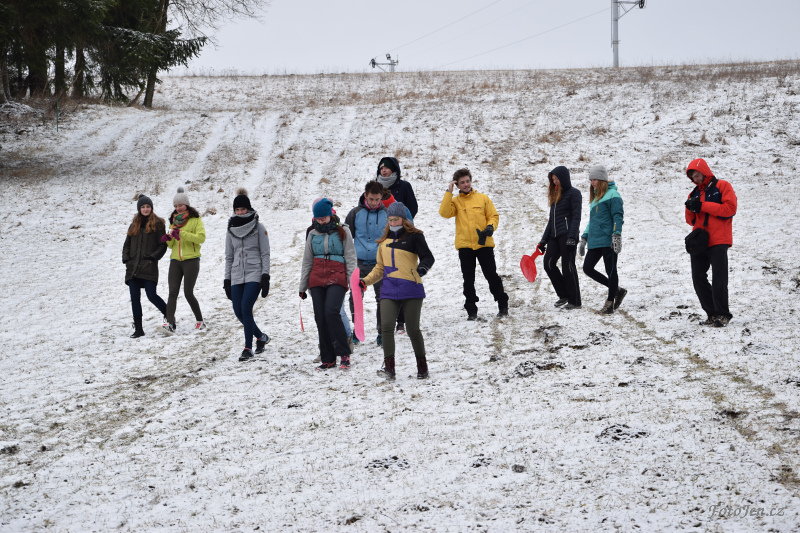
(605, 218)
(565, 215)
(366, 226)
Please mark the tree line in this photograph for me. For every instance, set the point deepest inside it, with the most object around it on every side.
(111, 48)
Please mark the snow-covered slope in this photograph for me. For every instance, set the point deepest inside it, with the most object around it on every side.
(548, 420)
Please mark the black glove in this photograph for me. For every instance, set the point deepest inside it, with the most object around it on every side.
(264, 285)
(571, 242)
(694, 204)
(227, 286)
(303, 295)
(542, 247)
(487, 232)
(362, 285)
(422, 271)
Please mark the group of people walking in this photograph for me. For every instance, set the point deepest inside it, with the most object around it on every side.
(379, 238)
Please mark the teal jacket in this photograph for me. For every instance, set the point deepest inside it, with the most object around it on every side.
(605, 218)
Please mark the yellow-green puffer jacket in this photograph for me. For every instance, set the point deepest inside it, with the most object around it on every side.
(473, 211)
(192, 235)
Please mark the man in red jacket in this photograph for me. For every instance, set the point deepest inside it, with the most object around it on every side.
(711, 206)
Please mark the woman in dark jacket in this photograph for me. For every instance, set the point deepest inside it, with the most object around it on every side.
(140, 254)
(329, 260)
(246, 269)
(560, 238)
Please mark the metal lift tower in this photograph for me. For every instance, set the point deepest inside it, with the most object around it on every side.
(616, 5)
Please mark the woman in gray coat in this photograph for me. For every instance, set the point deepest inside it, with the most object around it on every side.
(246, 269)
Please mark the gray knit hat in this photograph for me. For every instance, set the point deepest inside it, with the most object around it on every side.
(397, 209)
(181, 198)
(598, 172)
(143, 200)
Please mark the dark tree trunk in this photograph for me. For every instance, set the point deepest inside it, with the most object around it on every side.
(59, 79)
(37, 75)
(5, 94)
(80, 66)
(152, 76)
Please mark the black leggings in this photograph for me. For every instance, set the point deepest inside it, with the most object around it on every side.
(566, 284)
(610, 262)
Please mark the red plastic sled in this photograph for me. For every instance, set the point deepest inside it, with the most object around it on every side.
(528, 265)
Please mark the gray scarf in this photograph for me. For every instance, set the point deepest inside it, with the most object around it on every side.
(245, 229)
(386, 182)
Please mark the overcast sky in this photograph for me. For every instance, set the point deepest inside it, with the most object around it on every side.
(309, 36)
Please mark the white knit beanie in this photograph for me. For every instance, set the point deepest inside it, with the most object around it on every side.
(598, 172)
(181, 198)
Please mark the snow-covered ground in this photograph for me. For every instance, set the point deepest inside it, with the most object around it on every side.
(549, 420)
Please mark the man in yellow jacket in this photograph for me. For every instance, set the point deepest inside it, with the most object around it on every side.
(476, 220)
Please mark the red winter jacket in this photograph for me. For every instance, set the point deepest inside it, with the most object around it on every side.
(718, 203)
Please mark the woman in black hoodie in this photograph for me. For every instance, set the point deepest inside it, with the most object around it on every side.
(560, 238)
(140, 254)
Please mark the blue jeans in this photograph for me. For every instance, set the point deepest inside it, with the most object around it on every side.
(244, 297)
(136, 285)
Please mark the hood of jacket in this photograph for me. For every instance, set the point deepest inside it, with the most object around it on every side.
(562, 173)
(392, 163)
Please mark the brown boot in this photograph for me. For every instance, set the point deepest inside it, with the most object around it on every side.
(422, 368)
(608, 308)
(387, 372)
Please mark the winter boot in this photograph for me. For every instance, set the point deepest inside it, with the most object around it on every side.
(247, 354)
(709, 321)
(260, 343)
(560, 302)
(387, 372)
(621, 293)
(137, 328)
(401, 328)
(721, 321)
(422, 368)
(326, 366)
(571, 306)
(503, 310)
(345, 362)
(608, 308)
(354, 340)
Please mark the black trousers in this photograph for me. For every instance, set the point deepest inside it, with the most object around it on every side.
(328, 316)
(610, 262)
(566, 284)
(484, 256)
(713, 296)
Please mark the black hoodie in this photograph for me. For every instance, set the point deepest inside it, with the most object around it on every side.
(565, 215)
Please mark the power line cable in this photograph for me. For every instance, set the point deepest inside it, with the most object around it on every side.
(446, 26)
(521, 40)
(475, 28)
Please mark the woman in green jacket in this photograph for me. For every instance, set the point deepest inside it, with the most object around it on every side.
(603, 236)
(140, 254)
(186, 234)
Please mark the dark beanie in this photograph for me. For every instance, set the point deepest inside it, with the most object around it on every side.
(323, 208)
(241, 199)
(143, 200)
(397, 209)
(388, 163)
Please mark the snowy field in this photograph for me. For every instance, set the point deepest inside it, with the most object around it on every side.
(546, 421)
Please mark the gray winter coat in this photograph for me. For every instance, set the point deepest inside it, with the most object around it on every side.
(246, 252)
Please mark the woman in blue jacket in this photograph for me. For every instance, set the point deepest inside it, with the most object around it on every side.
(246, 269)
(560, 238)
(603, 236)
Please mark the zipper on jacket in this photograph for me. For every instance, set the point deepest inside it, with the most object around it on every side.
(566, 221)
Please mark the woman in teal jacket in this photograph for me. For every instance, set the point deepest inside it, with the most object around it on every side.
(603, 236)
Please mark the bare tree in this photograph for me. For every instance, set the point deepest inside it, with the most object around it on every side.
(201, 18)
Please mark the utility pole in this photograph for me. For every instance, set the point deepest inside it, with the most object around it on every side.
(615, 16)
(391, 64)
